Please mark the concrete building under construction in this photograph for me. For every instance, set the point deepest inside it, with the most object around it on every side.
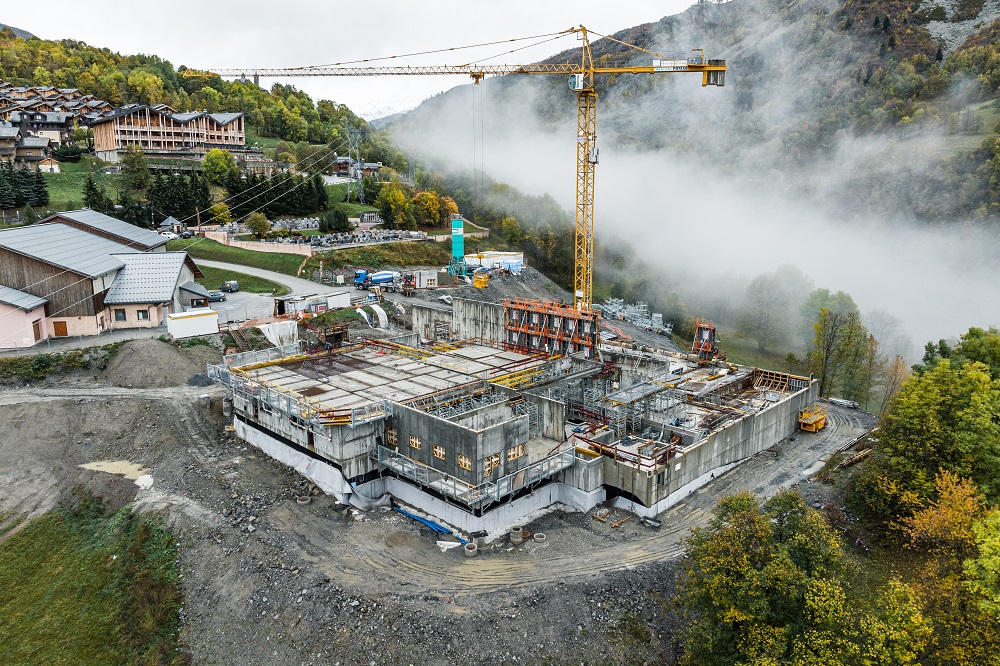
(483, 432)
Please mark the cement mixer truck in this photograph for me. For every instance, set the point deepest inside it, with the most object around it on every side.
(386, 280)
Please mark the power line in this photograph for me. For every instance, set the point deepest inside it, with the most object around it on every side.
(446, 50)
(314, 158)
(84, 279)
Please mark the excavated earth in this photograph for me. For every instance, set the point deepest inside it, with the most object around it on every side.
(269, 579)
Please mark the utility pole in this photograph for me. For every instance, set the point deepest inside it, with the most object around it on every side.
(354, 139)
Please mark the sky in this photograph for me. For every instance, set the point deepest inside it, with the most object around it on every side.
(258, 33)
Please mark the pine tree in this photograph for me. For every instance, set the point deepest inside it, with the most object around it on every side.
(95, 198)
(28, 215)
(8, 197)
(23, 186)
(322, 196)
(40, 190)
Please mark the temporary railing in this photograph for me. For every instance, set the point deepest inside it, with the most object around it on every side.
(292, 404)
(465, 492)
(244, 359)
(641, 462)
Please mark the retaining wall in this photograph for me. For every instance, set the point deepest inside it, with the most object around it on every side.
(304, 250)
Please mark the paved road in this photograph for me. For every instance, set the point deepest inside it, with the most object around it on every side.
(297, 285)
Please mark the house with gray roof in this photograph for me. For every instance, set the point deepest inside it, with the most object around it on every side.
(21, 318)
(150, 285)
(76, 269)
(111, 228)
(56, 126)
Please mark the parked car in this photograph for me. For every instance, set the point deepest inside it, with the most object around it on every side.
(216, 296)
(187, 234)
(230, 286)
(169, 235)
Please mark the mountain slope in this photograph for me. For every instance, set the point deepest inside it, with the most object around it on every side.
(840, 145)
(23, 34)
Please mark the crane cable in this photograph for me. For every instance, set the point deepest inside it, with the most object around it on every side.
(416, 53)
(544, 41)
(308, 163)
(633, 46)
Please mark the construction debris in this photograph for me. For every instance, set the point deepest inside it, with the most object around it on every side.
(621, 522)
(635, 313)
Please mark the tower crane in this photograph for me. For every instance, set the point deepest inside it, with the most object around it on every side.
(581, 81)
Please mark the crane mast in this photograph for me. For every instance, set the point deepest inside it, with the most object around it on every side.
(581, 81)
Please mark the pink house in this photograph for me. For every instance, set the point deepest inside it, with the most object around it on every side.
(22, 319)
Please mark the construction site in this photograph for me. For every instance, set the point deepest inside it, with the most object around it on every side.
(487, 413)
(493, 479)
(481, 433)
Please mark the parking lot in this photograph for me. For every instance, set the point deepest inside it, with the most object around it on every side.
(241, 306)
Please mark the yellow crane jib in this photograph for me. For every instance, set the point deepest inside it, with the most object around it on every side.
(581, 81)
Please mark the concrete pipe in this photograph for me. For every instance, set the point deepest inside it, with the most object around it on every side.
(303, 499)
(539, 537)
(227, 406)
(471, 549)
(516, 534)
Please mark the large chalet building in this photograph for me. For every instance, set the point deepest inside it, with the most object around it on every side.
(30, 113)
(160, 130)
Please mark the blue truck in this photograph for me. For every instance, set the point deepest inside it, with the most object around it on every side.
(386, 280)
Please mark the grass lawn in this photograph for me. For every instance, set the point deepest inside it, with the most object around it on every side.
(262, 141)
(745, 352)
(214, 277)
(202, 248)
(66, 187)
(338, 192)
(81, 587)
(415, 253)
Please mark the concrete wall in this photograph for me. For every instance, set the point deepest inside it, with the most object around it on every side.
(424, 317)
(349, 448)
(720, 450)
(477, 319)
(497, 520)
(16, 331)
(431, 431)
(459, 439)
(553, 413)
(586, 475)
(277, 248)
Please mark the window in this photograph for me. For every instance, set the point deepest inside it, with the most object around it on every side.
(119, 315)
(142, 315)
(516, 452)
(391, 437)
(490, 463)
(415, 443)
(465, 462)
(438, 451)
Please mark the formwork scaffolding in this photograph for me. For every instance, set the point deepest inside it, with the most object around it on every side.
(551, 327)
(475, 496)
